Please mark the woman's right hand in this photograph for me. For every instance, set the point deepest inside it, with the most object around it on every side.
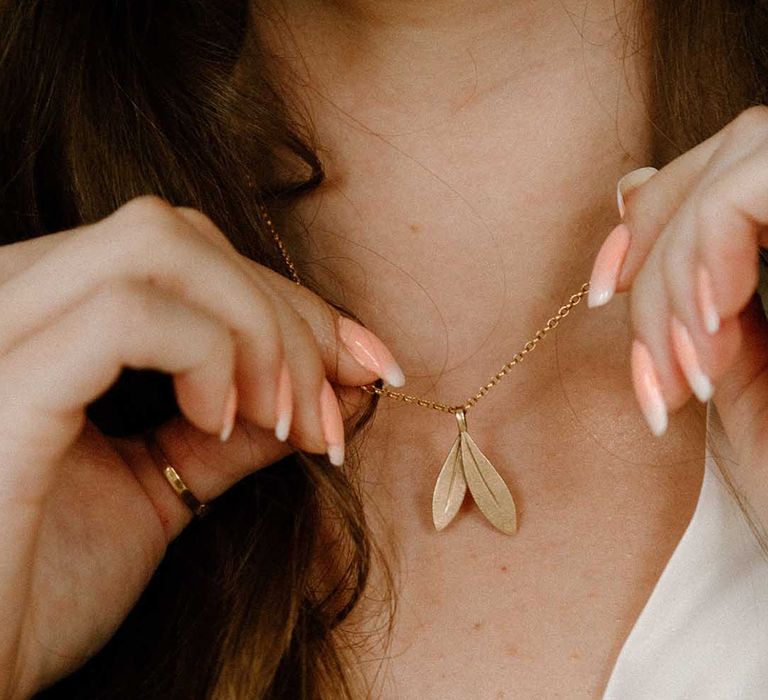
(86, 518)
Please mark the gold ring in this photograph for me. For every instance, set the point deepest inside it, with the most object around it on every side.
(189, 499)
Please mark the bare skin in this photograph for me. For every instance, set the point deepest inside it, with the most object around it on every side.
(472, 154)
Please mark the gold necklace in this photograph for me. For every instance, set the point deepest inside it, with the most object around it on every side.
(465, 466)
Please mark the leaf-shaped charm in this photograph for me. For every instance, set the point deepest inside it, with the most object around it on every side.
(487, 487)
(449, 489)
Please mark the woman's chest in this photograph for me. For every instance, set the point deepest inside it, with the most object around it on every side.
(543, 616)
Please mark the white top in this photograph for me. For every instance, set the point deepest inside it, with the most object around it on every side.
(703, 633)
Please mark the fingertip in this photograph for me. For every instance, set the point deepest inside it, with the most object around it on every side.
(332, 423)
(631, 181)
(608, 265)
(230, 412)
(648, 389)
(369, 351)
(284, 404)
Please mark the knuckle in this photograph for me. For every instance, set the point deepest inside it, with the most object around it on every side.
(302, 299)
(318, 316)
(146, 206)
(145, 223)
(328, 328)
(312, 365)
(324, 326)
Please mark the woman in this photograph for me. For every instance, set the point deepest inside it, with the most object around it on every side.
(444, 173)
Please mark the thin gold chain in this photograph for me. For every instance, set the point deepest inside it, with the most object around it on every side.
(552, 323)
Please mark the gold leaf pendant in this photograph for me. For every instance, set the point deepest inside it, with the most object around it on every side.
(466, 466)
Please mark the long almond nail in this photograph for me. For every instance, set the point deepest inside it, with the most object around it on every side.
(689, 361)
(333, 424)
(230, 410)
(648, 389)
(707, 307)
(284, 404)
(630, 181)
(369, 351)
(607, 267)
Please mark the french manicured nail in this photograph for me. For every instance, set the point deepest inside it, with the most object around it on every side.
(284, 404)
(369, 351)
(607, 267)
(648, 389)
(230, 410)
(333, 424)
(689, 361)
(632, 179)
(707, 306)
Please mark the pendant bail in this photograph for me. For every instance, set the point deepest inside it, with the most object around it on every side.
(461, 419)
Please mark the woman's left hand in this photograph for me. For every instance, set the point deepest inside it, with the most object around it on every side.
(687, 253)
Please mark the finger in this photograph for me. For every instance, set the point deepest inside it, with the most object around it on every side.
(146, 240)
(207, 466)
(646, 199)
(660, 385)
(651, 205)
(316, 349)
(730, 215)
(49, 376)
(710, 271)
(298, 417)
(352, 354)
(709, 253)
(48, 379)
(707, 257)
(367, 359)
(669, 312)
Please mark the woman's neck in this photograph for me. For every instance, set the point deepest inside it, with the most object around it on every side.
(472, 155)
(472, 151)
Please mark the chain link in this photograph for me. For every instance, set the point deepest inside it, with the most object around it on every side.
(280, 245)
(551, 324)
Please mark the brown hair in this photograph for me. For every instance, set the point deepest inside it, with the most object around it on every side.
(102, 101)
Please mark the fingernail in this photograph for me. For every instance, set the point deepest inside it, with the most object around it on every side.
(707, 306)
(284, 404)
(632, 179)
(607, 267)
(369, 351)
(689, 361)
(333, 424)
(230, 409)
(648, 389)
